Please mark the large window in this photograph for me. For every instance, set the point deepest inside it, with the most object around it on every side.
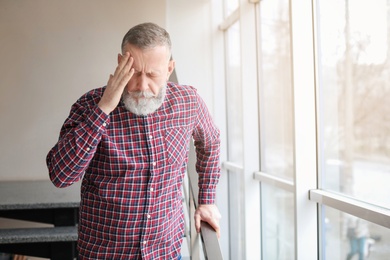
(354, 116)
(242, 145)
(278, 223)
(235, 137)
(276, 89)
(315, 139)
(233, 94)
(354, 90)
(345, 234)
(276, 112)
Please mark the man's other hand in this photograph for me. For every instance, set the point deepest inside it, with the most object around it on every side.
(209, 214)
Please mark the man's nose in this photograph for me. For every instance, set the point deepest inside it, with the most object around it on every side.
(143, 83)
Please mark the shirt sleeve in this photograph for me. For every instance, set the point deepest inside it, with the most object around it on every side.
(207, 146)
(77, 144)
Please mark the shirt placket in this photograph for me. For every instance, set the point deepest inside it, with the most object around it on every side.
(150, 193)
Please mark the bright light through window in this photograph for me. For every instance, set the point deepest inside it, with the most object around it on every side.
(354, 115)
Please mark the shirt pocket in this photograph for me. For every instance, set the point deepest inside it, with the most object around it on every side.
(176, 145)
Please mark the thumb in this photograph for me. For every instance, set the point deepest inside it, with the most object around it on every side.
(197, 222)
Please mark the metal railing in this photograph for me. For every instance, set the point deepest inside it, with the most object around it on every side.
(206, 244)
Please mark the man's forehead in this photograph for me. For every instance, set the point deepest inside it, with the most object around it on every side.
(130, 47)
(148, 67)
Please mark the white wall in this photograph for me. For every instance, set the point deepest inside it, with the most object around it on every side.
(51, 52)
(189, 23)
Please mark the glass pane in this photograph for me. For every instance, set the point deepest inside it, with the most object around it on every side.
(354, 91)
(347, 236)
(276, 89)
(235, 139)
(277, 223)
(233, 95)
(230, 6)
(236, 216)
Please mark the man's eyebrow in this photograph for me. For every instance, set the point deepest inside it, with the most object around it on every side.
(148, 72)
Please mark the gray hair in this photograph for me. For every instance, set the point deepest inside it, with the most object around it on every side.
(147, 35)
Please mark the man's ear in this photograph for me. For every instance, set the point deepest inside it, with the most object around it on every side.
(171, 67)
(119, 57)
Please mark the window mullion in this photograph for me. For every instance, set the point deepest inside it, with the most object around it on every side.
(305, 151)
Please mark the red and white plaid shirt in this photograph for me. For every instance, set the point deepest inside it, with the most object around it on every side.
(132, 168)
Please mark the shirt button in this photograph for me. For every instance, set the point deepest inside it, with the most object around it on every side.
(154, 163)
(88, 149)
(144, 242)
(150, 136)
(149, 216)
(104, 124)
(151, 189)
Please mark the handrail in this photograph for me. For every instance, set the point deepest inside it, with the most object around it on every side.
(360, 209)
(209, 239)
(211, 248)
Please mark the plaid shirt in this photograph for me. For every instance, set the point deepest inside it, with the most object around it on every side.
(132, 168)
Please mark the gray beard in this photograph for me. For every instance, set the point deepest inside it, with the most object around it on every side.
(146, 105)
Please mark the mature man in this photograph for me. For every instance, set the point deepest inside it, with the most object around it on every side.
(128, 142)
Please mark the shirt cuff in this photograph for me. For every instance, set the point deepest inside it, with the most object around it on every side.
(206, 196)
(98, 120)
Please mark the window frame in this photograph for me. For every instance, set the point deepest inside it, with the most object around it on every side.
(309, 198)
